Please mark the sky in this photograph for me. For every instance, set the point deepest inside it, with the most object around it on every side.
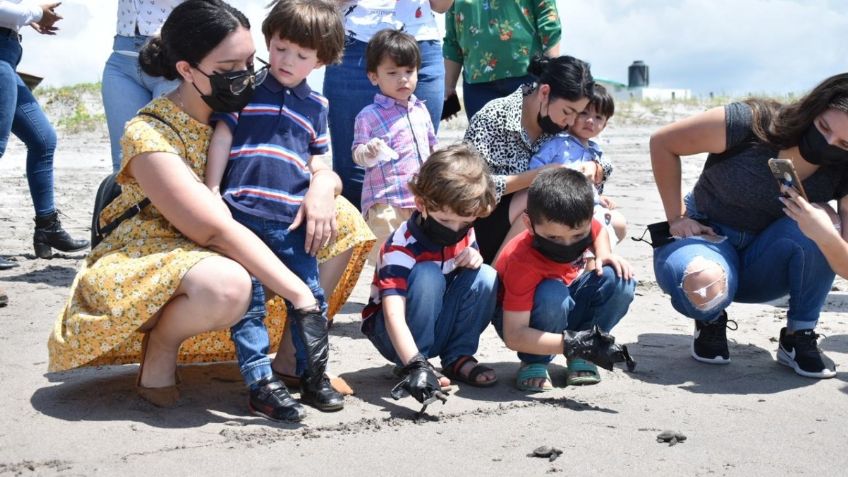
(734, 47)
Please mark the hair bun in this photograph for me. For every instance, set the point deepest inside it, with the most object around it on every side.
(538, 65)
(153, 59)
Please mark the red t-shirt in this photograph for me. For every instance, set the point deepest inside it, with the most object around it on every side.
(521, 268)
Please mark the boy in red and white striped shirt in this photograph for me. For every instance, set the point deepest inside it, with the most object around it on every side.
(432, 295)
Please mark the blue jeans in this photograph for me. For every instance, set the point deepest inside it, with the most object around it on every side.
(250, 335)
(348, 89)
(589, 300)
(21, 115)
(126, 89)
(446, 314)
(760, 267)
(476, 95)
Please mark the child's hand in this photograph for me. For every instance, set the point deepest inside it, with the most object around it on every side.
(469, 258)
(318, 209)
(419, 382)
(607, 202)
(622, 267)
(365, 155)
(374, 151)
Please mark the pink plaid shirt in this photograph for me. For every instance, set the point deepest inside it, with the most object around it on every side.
(409, 132)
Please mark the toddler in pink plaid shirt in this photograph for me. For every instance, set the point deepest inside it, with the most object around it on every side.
(392, 136)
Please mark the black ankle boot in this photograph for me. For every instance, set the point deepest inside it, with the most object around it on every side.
(49, 234)
(315, 388)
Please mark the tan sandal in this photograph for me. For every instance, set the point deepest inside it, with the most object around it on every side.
(165, 396)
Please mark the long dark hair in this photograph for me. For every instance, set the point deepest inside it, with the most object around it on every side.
(192, 30)
(568, 77)
(783, 125)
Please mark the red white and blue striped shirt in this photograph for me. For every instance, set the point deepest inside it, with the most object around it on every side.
(405, 248)
(274, 137)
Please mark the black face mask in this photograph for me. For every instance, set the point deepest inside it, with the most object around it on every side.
(815, 149)
(561, 253)
(547, 124)
(439, 234)
(222, 99)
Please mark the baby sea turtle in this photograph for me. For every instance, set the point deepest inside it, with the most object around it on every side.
(546, 451)
(672, 437)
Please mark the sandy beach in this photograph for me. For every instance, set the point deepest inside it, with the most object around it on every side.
(752, 417)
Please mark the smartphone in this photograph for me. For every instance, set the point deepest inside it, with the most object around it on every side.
(784, 172)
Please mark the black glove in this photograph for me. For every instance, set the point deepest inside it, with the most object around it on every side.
(451, 107)
(420, 382)
(596, 346)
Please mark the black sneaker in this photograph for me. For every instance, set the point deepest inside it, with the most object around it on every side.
(800, 351)
(270, 399)
(709, 343)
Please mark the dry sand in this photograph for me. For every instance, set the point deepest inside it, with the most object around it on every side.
(751, 417)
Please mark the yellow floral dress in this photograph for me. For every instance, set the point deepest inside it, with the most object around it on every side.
(136, 269)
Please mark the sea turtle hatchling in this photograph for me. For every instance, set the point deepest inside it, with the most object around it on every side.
(672, 437)
(546, 451)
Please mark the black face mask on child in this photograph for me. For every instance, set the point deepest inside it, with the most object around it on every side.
(558, 252)
(439, 234)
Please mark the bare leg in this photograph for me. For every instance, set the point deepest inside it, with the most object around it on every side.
(330, 272)
(213, 295)
(284, 361)
(619, 224)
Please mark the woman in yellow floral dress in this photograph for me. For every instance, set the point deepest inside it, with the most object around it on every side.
(155, 288)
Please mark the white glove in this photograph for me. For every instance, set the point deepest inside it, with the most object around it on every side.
(373, 152)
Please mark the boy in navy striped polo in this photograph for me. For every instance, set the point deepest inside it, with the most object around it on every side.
(264, 161)
(432, 295)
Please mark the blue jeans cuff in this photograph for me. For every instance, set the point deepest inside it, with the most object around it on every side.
(256, 371)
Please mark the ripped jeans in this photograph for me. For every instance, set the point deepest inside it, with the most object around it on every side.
(703, 278)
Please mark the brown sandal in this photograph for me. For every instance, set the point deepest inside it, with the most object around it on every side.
(453, 372)
(165, 396)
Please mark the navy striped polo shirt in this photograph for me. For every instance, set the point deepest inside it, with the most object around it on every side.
(267, 174)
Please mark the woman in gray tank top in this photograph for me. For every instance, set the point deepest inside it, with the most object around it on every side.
(739, 236)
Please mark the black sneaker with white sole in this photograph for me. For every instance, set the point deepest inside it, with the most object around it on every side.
(270, 399)
(800, 351)
(709, 343)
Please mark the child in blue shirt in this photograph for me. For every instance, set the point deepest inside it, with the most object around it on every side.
(264, 161)
(576, 149)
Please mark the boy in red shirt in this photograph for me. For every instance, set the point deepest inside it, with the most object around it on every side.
(544, 299)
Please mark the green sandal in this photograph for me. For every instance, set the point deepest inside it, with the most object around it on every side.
(577, 365)
(529, 371)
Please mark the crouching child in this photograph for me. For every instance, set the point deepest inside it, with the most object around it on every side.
(547, 305)
(432, 295)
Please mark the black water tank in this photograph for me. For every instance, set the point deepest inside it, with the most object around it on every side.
(637, 75)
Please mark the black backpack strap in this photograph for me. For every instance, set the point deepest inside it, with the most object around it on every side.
(129, 213)
(135, 209)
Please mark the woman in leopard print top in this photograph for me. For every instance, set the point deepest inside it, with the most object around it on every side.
(508, 131)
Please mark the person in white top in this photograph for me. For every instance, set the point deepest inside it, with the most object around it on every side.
(21, 114)
(125, 88)
(347, 87)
